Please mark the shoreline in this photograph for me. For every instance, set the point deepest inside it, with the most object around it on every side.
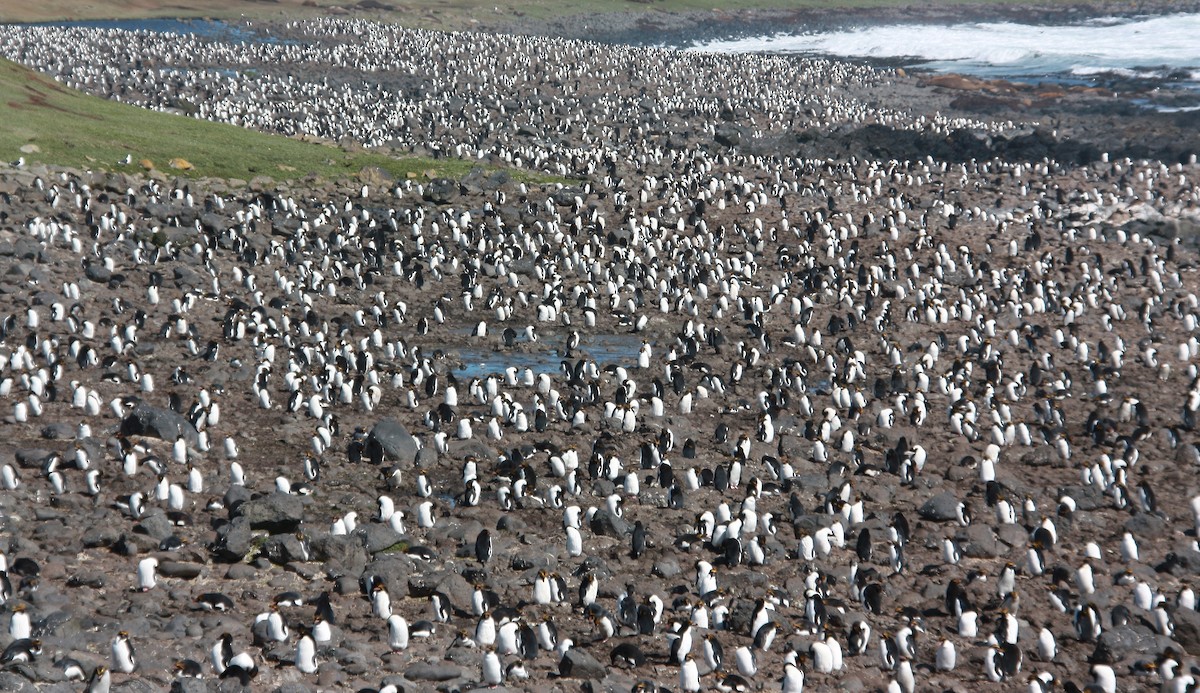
(621, 26)
(629, 27)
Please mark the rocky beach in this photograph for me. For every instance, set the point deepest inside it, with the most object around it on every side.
(718, 372)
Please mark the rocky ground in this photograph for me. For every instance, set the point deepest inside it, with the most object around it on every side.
(864, 333)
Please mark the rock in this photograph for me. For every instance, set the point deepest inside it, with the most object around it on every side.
(1041, 456)
(978, 541)
(189, 686)
(32, 458)
(234, 540)
(666, 568)
(390, 438)
(1086, 497)
(453, 585)
(941, 508)
(793, 446)
(442, 191)
(159, 422)
(97, 272)
(100, 535)
(134, 686)
(1187, 630)
(58, 431)
(235, 496)
(214, 222)
(424, 671)
(1013, 535)
(1146, 526)
(378, 537)
(426, 458)
(342, 554)
(474, 447)
(1117, 644)
(276, 512)
(241, 571)
(394, 569)
(578, 664)
(11, 681)
(606, 524)
(155, 525)
(728, 135)
(179, 569)
(528, 559)
(282, 549)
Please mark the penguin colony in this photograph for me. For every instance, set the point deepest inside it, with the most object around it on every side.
(512, 100)
(898, 424)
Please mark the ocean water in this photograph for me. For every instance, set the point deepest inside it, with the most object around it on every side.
(1161, 50)
(203, 28)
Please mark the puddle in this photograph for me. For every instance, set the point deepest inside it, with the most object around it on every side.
(544, 356)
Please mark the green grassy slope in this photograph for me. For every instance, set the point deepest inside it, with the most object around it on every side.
(47, 122)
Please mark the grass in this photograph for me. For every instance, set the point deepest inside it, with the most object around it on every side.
(49, 123)
(436, 14)
(398, 547)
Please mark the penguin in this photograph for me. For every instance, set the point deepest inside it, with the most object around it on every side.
(123, 659)
(441, 607)
(793, 679)
(822, 657)
(485, 629)
(21, 650)
(689, 675)
(627, 654)
(242, 667)
(764, 637)
(397, 632)
(221, 653)
(483, 546)
(760, 615)
(1010, 660)
(541, 587)
(547, 635)
(859, 638)
(188, 669)
(492, 673)
(100, 680)
(147, 580)
(681, 646)
(714, 655)
(214, 601)
(71, 669)
(638, 540)
(588, 590)
(381, 602)
(306, 654)
(747, 662)
(422, 629)
(732, 683)
(322, 630)
(1104, 679)
(19, 625)
(946, 657)
(1047, 648)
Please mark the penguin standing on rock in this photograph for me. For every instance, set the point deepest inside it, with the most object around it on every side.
(100, 681)
(123, 659)
(483, 547)
(306, 654)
